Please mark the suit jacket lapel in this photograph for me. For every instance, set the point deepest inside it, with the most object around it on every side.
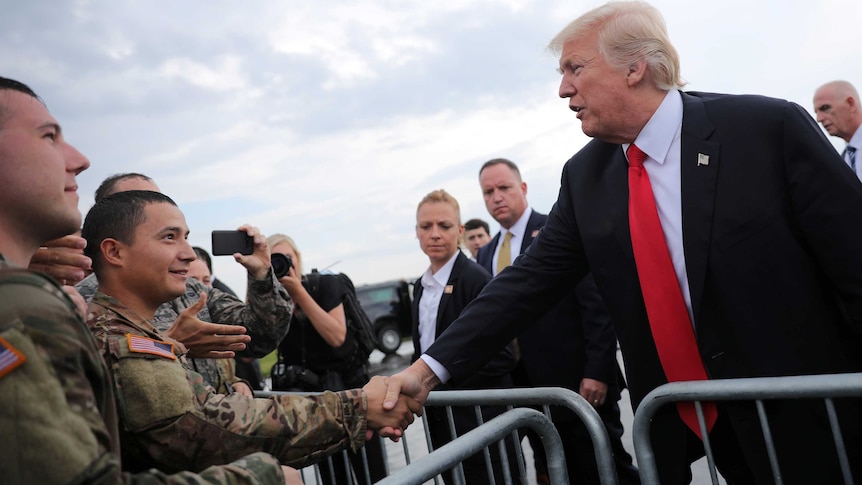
(699, 177)
(417, 295)
(532, 226)
(447, 297)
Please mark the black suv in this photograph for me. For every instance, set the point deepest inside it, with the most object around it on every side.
(388, 307)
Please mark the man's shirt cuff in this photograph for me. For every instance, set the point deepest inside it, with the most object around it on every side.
(436, 367)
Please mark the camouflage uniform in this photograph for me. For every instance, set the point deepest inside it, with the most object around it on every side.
(169, 419)
(266, 317)
(58, 423)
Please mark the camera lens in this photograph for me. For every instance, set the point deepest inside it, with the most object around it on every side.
(281, 264)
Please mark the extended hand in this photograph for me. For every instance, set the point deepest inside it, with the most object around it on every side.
(415, 381)
(257, 263)
(593, 391)
(207, 340)
(396, 418)
(63, 259)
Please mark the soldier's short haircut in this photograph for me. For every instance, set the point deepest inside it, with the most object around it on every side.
(7, 84)
(109, 185)
(116, 217)
(476, 224)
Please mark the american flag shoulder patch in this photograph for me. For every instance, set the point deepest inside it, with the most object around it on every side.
(144, 345)
(10, 357)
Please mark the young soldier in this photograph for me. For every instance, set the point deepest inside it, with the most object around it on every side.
(169, 418)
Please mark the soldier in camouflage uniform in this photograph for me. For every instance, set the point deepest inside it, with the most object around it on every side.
(58, 423)
(266, 316)
(169, 418)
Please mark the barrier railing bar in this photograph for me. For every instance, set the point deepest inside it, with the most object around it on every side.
(454, 452)
(707, 446)
(744, 389)
(839, 441)
(770, 443)
(545, 396)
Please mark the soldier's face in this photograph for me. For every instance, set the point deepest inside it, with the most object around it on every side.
(37, 170)
(156, 264)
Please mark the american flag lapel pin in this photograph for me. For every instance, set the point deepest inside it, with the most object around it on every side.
(702, 159)
(535, 233)
(448, 289)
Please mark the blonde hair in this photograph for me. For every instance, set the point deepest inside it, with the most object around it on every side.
(441, 195)
(276, 239)
(628, 32)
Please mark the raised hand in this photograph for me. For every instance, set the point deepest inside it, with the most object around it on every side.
(207, 340)
(63, 259)
(257, 263)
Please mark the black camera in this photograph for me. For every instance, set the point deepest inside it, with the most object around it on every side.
(293, 378)
(281, 264)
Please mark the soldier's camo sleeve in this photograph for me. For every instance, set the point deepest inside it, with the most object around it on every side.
(54, 390)
(266, 316)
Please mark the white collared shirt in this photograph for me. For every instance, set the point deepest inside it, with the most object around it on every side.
(433, 286)
(518, 229)
(660, 140)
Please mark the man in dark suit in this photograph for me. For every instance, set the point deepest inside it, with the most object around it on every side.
(573, 345)
(761, 226)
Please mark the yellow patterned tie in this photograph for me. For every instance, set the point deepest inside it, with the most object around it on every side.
(504, 256)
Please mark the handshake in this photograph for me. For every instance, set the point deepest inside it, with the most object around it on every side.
(392, 401)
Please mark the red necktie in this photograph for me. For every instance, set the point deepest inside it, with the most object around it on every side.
(668, 318)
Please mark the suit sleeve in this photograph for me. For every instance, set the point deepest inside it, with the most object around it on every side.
(600, 340)
(513, 300)
(827, 200)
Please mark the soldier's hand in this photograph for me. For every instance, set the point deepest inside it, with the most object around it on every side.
(241, 388)
(291, 476)
(257, 263)
(393, 420)
(207, 340)
(63, 259)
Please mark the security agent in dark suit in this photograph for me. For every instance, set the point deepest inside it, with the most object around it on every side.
(447, 286)
(762, 222)
(573, 345)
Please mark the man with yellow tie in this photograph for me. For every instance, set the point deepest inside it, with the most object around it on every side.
(572, 346)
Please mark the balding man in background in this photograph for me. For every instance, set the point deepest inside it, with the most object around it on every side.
(836, 105)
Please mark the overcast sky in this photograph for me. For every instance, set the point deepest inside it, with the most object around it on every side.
(329, 121)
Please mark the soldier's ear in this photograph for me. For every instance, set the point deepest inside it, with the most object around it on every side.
(112, 251)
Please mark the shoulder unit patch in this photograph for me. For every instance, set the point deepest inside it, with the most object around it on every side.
(10, 357)
(144, 345)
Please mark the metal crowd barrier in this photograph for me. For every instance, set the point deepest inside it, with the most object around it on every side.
(759, 389)
(454, 452)
(545, 397)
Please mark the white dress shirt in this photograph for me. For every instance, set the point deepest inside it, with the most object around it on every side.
(660, 140)
(856, 142)
(433, 286)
